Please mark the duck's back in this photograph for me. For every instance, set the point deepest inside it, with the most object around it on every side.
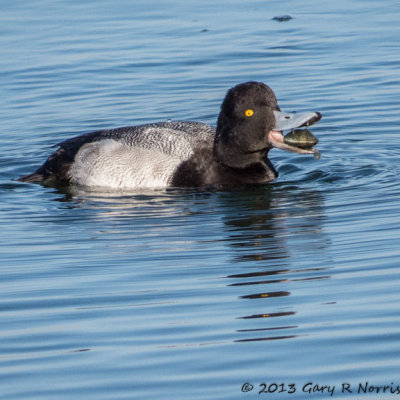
(138, 156)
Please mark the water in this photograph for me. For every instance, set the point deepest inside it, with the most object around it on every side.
(185, 294)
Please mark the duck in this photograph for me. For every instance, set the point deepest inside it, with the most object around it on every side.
(181, 153)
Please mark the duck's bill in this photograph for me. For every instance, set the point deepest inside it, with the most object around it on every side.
(287, 121)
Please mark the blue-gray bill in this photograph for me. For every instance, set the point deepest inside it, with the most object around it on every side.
(290, 121)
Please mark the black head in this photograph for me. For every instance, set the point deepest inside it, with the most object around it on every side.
(245, 120)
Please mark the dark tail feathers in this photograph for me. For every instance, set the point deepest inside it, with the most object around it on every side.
(35, 177)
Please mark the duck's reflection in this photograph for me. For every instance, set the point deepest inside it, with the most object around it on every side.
(275, 238)
(266, 234)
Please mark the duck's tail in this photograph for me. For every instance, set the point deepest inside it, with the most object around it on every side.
(54, 171)
(37, 176)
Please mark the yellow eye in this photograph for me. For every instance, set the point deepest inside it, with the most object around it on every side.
(249, 113)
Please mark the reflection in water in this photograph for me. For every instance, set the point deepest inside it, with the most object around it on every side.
(276, 314)
(144, 203)
(272, 232)
(267, 338)
(260, 234)
(277, 272)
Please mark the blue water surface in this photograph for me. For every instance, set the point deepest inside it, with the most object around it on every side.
(185, 294)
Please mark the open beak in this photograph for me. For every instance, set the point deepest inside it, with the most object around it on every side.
(288, 121)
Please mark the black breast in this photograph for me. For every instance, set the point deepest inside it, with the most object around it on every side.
(202, 169)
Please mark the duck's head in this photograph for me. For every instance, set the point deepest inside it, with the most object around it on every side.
(250, 124)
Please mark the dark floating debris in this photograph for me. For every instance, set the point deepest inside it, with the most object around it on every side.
(282, 18)
(301, 138)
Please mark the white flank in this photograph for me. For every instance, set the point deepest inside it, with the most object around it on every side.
(112, 164)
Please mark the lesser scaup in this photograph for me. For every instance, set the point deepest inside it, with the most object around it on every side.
(181, 154)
